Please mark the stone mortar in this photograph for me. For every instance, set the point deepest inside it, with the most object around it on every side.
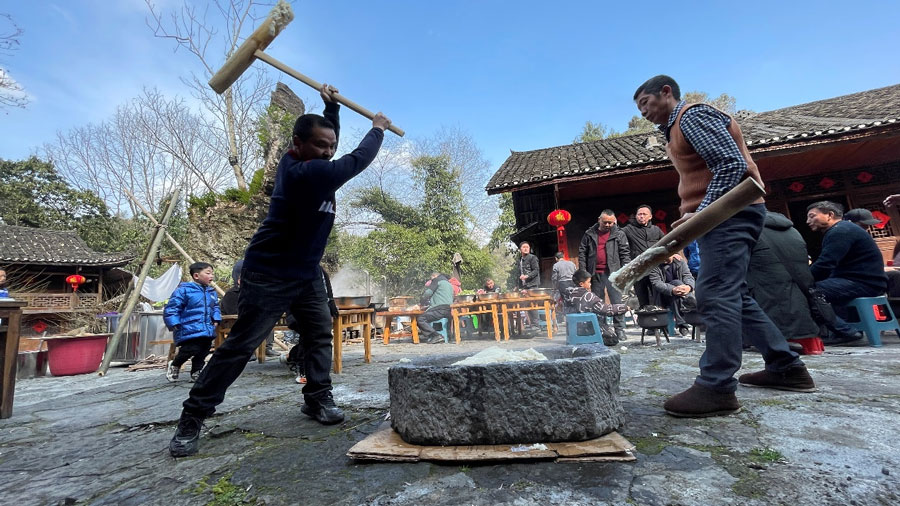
(572, 396)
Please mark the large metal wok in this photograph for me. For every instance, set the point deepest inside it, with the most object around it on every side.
(353, 302)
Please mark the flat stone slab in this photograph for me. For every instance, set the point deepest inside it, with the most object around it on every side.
(572, 396)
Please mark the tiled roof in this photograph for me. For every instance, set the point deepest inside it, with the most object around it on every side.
(26, 245)
(781, 128)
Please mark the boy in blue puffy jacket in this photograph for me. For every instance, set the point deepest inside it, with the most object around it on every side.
(192, 314)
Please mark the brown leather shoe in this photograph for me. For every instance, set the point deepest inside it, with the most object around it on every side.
(701, 402)
(795, 379)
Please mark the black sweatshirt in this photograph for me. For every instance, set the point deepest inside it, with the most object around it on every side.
(849, 252)
(291, 240)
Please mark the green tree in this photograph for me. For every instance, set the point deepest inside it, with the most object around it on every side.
(410, 242)
(33, 194)
(593, 132)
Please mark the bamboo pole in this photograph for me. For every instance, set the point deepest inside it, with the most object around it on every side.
(133, 300)
(171, 239)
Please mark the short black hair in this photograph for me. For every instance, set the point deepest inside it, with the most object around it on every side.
(580, 276)
(304, 125)
(608, 212)
(524, 242)
(638, 208)
(559, 254)
(198, 266)
(655, 84)
(827, 206)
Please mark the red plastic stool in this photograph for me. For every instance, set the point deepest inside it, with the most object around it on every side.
(811, 345)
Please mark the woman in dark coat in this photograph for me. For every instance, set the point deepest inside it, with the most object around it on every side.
(772, 284)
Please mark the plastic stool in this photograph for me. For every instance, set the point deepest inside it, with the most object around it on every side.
(467, 324)
(579, 321)
(444, 323)
(671, 328)
(811, 345)
(874, 315)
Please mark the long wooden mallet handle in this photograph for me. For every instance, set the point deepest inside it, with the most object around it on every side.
(243, 56)
(726, 206)
(317, 85)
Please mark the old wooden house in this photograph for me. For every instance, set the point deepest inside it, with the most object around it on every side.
(845, 149)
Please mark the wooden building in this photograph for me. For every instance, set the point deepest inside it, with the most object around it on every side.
(38, 261)
(845, 149)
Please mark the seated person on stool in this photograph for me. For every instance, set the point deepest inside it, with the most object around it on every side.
(437, 297)
(580, 299)
(850, 264)
(673, 287)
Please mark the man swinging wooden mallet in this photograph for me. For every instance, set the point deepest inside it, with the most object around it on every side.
(252, 49)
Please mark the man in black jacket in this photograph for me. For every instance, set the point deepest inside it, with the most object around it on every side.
(604, 250)
(850, 264)
(281, 271)
(673, 285)
(641, 235)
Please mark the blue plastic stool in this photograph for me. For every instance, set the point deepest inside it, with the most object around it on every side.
(874, 315)
(671, 327)
(444, 324)
(584, 319)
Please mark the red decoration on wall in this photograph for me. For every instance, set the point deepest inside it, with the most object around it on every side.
(39, 326)
(796, 187)
(864, 177)
(74, 280)
(882, 218)
(826, 182)
(623, 218)
(660, 215)
(558, 219)
(663, 227)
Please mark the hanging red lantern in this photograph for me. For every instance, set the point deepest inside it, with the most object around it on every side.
(75, 280)
(558, 219)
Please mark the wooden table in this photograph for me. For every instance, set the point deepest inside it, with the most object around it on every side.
(525, 304)
(366, 320)
(486, 307)
(222, 330)
(389, 317)
(11, 316)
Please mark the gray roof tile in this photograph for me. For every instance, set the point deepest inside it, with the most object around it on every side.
(26, 245)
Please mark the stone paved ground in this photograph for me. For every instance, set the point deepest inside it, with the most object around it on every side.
(92, 440)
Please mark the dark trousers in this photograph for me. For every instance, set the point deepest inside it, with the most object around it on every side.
(601, 286)
(432, 314)
(727, 307)
(196, 350)
(678, 305)
(643, 290)
(839, 292)
(262, 301)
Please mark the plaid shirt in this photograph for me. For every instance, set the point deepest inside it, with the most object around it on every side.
(706, 130)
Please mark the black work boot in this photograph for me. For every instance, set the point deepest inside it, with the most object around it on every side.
(186, 440)
(323, 409)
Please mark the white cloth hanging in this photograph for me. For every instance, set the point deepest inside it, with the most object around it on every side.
(161, 288)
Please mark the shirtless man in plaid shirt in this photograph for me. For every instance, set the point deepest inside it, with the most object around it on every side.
(708, 151)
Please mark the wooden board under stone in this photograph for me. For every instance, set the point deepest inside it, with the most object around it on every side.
(386, 445)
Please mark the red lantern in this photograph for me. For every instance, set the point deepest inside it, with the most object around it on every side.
(558, 219)
(75, 280)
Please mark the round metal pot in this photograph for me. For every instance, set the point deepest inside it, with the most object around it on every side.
(536, 292)
(489, 296)
(464, 298)
(356, 302)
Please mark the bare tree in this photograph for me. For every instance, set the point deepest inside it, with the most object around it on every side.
(233, 114)
(151, 145)
(11, 92)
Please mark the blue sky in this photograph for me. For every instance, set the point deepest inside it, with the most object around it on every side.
(516, 75)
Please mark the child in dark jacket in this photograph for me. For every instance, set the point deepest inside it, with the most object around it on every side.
(192, 314)
(580, 299)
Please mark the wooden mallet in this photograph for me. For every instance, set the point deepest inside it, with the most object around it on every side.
(252, 49)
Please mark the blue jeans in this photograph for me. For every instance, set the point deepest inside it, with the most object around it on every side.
(727, 307)
(261, 303)
(601, 286)
(839, 292)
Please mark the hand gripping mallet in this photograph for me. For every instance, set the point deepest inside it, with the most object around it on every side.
(252, 49)
(726, 206)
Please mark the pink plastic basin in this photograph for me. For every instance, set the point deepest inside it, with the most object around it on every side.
(76, 355)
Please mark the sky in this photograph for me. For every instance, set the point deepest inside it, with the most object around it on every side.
(515, 75)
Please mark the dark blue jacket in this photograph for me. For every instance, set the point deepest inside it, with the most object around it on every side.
(849, 252)
(191, 311)
(291, 240)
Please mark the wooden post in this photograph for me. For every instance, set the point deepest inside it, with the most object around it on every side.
(136, 294)
(171, 239)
